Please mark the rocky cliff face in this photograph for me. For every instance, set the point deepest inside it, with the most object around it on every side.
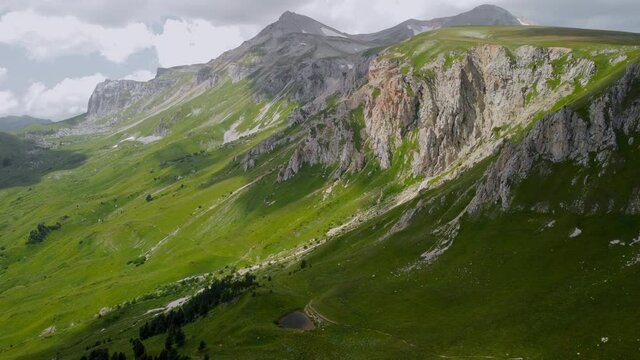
(567, 136)
(460, 106)
(328, 140)
(112, 96)
(462, 102)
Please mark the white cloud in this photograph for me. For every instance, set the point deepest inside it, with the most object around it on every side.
(65, 99)
(45, 37)
(3, 74)
(182, 41)
(140, 75)
(185, 42)
(8, 103)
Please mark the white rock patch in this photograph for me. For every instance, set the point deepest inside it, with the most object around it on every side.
(576, 232)
(48, 331)
(177, 303)
(329, 32)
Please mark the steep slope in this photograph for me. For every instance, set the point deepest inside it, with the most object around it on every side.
(381, 175)
(447, 103)
(23, 162)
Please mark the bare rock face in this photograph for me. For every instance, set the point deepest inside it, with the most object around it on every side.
(566, 136)
(111, 96)
(456, 109)
(451, 108)
(327, 141)
(312, 82)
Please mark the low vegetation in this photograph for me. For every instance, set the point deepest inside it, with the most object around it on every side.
(41, 232)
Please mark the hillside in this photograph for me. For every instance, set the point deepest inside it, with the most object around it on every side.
(13, 123)
(470, 192)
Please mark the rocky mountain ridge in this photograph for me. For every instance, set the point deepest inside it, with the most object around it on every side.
(450, 110)
(566, 135)
(293, 45)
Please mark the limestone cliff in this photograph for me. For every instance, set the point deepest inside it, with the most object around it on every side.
(567, 136)
(456, 109)
(461, 102)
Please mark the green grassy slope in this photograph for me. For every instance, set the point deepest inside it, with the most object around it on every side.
(507, 287)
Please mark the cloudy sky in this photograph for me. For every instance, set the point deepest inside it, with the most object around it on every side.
(54, 52)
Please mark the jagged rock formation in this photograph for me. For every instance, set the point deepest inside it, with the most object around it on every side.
(300, 56)
(112, 96)
(330, 140)
(455, 108)
(566, 136)
(309, 60)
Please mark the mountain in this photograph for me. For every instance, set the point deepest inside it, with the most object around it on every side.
(23, 162)
(13, 123)
(292, 23)
(483, 15)
(293, 51)
(468, 191)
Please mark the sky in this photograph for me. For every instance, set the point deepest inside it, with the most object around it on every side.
(54, 52)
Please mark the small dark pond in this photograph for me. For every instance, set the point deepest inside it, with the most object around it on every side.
(296, 320)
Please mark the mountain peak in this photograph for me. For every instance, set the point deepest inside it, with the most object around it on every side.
(486, 14)
(488, 7)
(287, 15)
(293, 23)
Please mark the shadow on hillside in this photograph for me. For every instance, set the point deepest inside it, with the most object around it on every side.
(24, 163)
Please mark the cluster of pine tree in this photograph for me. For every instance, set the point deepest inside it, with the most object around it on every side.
(168, 353)
(103, 354)
(40, 233)
(218, 292)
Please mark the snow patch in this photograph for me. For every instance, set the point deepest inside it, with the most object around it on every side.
(329, 32)
(149, 139)
(419, 29)
(144, 139)
(232, 134)
(524, 22)
(130, 138)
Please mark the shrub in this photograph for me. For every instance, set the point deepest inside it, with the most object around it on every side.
(41, 232)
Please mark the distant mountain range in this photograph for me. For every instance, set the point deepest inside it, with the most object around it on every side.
(13, 123)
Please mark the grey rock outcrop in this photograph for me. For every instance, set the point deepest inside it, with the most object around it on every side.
(112, 96)
(327, 141)
(451, 108)
(456, 109)
(565, 136)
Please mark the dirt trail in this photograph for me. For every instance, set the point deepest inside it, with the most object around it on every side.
(316, 315)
